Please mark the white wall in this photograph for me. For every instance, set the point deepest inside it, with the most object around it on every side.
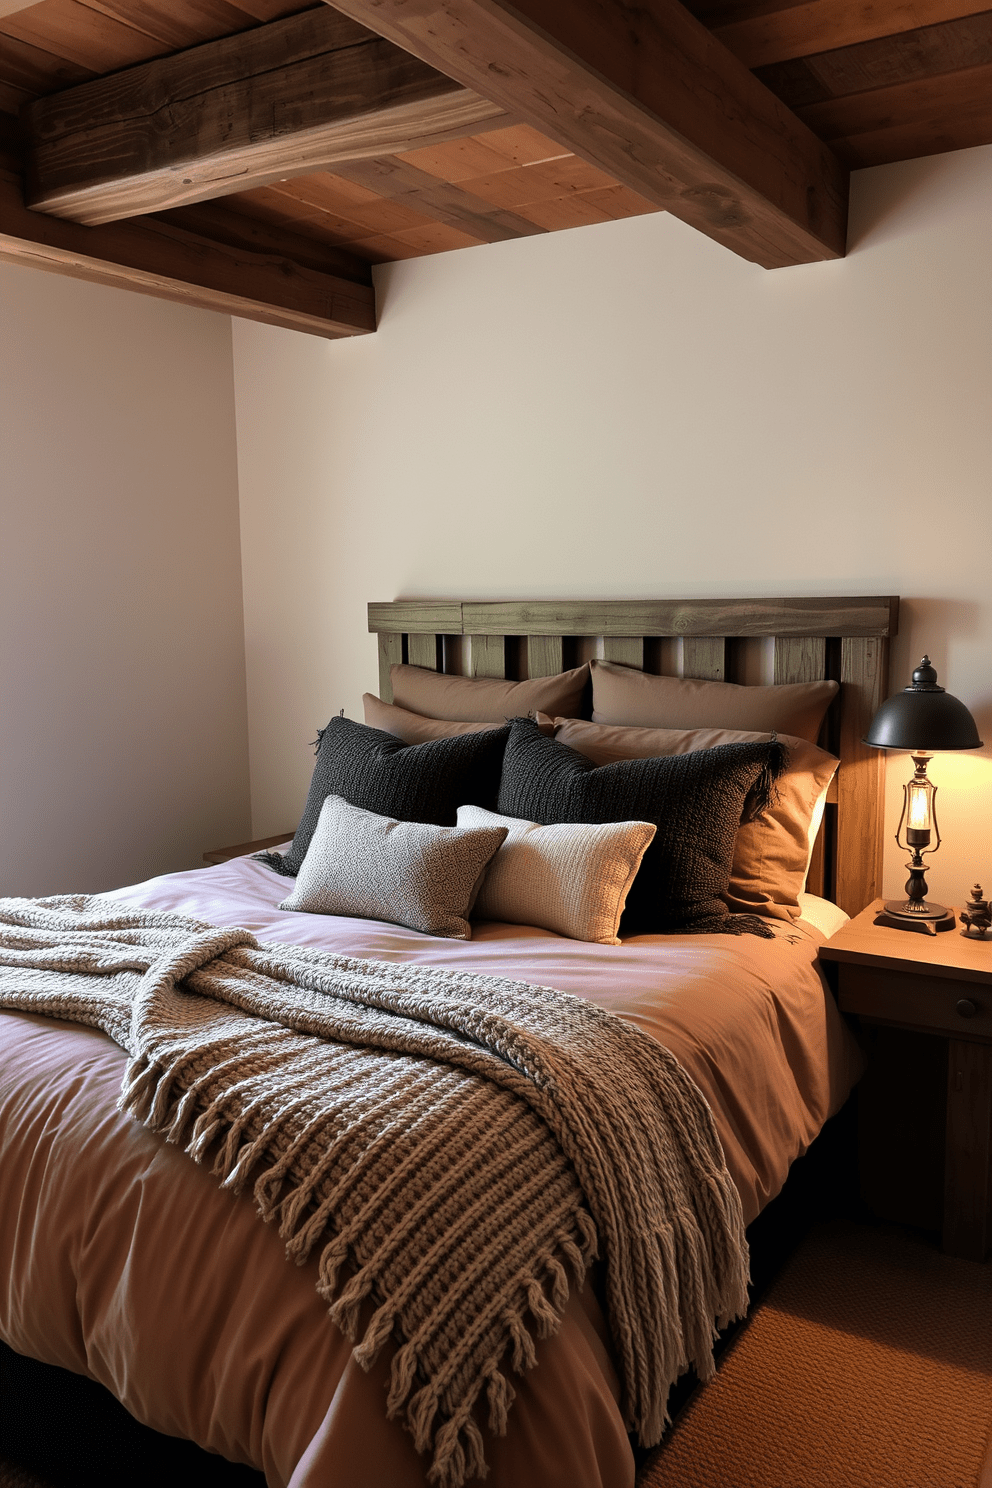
(123, 747)
(630, 410)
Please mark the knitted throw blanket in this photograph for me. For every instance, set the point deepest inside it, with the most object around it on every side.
(458, 1143)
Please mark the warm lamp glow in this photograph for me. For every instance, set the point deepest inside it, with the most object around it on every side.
(919, 808)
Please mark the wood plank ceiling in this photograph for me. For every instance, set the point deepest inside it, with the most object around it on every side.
(875, 83)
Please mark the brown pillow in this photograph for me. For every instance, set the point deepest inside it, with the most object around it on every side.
(623, 695)
(474, 699)
(413, 729)
(772, 853)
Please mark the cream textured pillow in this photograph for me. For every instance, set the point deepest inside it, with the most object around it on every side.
(771, 853)
(569, 878)
(409, 873)
(624, 695)
(472, 699)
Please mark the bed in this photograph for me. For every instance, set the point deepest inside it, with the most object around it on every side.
(130, 1264)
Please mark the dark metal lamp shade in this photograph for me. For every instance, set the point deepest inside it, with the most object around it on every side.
(923, 718)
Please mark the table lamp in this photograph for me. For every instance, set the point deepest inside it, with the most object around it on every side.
(924, 719)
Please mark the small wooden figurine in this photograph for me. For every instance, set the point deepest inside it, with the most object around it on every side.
(977, 915)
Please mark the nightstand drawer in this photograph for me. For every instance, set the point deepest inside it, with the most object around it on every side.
(962, 1009)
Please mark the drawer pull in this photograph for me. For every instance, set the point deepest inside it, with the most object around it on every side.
(967, 1008)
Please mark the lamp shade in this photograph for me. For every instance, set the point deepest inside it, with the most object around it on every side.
(923, 718)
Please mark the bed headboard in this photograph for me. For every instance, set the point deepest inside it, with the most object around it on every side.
(732, 640)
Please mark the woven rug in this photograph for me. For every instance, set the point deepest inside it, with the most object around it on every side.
(867, 1365)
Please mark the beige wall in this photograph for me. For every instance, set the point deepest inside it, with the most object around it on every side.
(630, 410)
(123, 747)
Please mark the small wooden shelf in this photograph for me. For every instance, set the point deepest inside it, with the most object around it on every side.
(225, 854)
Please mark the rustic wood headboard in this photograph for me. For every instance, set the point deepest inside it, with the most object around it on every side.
(717, 639)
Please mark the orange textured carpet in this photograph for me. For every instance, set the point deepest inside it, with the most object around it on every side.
(867, 1365)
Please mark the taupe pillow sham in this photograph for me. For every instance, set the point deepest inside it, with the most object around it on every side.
(413, 728)
(378, 868)
(623, 695)
(571, 878)
(772, 853)
(475, 699)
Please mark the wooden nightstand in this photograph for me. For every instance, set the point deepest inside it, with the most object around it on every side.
(225, 854)
(939, 986)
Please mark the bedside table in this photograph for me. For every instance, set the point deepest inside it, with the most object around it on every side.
(225, 854)
(940, 985)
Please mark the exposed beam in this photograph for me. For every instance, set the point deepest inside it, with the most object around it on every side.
(759, 37)
(649, 95)
(161, 259)
(230, 115)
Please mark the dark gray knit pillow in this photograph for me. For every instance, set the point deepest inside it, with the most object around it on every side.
(696, 801)
(411, 782)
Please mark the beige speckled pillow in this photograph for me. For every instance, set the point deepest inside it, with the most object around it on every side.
(409, 873)
(412, 728)
(771, 853)
(570, 878)
(623, 695)
(471, 699)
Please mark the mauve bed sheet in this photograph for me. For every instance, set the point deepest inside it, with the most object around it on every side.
(122, 1260)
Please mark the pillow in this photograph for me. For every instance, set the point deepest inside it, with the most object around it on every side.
(772, 853)
(466, 699)
(695, 800)
(622, 695)
(412, 728)
(412, 782)
(378, 868)
(569, 877)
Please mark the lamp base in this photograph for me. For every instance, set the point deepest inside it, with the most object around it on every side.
(920, 915)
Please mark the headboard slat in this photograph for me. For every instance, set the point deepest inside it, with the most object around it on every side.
(864, 671)
(627, 650)
(800, 659)
(488, 656)
(545, 656)
(425, 650)
(704, 657)
(390, 654)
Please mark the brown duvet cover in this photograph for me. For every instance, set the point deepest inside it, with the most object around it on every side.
(122, 1260)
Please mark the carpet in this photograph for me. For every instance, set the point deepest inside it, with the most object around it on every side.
(868, 1364)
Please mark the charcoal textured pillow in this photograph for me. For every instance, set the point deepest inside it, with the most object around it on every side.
(772, 853)
(695, 800)
(408, 873)
(411, 782)
(467, 699)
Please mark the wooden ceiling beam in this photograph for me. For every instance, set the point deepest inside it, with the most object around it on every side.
(156, 257)
(647, 93)
(230, 115)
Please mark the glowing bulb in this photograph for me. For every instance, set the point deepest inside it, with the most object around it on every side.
(918, 814)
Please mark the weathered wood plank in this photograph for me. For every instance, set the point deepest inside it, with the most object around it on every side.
(800, 659)
(218, 222)
(411, 616)
(425, 650)
(230, 115)
(165, 261)
(704, 657)
(626, 650)
(676, 617)
(544, 656)
(758, 37)
(861, 778)
(390, 654)
(651, 97)
(488, 656)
